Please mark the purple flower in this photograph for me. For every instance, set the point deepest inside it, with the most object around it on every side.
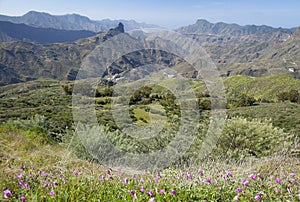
(21, 182)
(151, 200)
(158, 174)
(173, 192)
(245, 182)
(229, 174)
(27, 186)
(162, 191)
(156, 179)
(278, 180)
(293, 181)
(55, 184)
(22, 167)
(142, 188)
(47, 185)
(150, 192)
(259, 175)
(121, 175)
(44, 174)
(126, 180)
(224, 177)
(236, 198)
(101, 178)
(131, 192)
(238, 190)
(51, 193)
(6, 193)
(252, 176)
(110, 178)
(189, 176)
(20, 175)
(75, 172)
(207, 180)
(200, 171)
(22, 198)
(292, 174)
(107, 171)
(257, 197)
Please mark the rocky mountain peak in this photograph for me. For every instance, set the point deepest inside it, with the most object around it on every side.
(297, 33)
(120, 27)
(114, 31)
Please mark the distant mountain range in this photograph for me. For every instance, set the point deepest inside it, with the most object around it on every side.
(251, 50)
(23, 61)
(72, 22)
(21, 32)
(248, 50)
(204, 27)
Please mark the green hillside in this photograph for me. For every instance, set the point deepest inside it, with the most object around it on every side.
(262, 88)
(53, 101)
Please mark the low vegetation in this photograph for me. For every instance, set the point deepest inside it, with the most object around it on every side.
(33, 168)
(256, 157)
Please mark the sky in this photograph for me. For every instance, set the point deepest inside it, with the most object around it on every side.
(168, 13)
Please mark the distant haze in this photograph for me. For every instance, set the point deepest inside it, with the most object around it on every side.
(168, 13)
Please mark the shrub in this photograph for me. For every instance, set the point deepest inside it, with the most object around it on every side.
(68, 88)
(106, 92)
(204, 104)
(141, 94)
(292, 96)
(242, 138)
(242, 101)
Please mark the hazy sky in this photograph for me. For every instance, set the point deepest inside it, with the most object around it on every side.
(168, 13)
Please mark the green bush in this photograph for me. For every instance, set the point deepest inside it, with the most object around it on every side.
(292, 96)
(73, 143)
(242, 100)
(36, 123)
(204, 104)
(242, 138)
(36, 128)
(141, 95)
(106, 92)
(68, 88)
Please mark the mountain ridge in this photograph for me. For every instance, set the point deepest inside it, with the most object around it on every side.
(72, 22)
(203, 26)
(21, 32)
(271, 51)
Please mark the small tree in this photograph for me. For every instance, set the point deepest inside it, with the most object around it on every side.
(292, 96)
(106, 92)
(243, 101)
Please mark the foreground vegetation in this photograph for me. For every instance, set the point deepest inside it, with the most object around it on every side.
(256, 156)
(33, 168)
